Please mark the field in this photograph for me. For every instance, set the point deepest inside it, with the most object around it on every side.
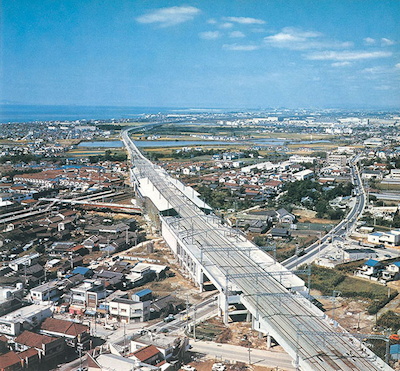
(86, 152)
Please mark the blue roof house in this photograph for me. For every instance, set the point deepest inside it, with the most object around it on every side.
(395, 351)
(370, 269)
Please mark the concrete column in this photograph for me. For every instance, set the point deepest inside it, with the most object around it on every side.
(248, 317)
(201, 280)
(268, 341)
(226, 318)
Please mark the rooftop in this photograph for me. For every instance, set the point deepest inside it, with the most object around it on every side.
(61, 326)
(146, 352)
(143, 292)
(34, 340)
(21, 314)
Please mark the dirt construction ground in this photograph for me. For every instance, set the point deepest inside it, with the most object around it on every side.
(206, 365)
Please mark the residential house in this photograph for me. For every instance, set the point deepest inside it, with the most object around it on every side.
(284, 216)
(107, 361)
(127, 310)
(391, 272)
(48, 347)
(86, 296)
(91, 242)
(75, 334)
(148, 354)
(370, 269)
(395, 352)
(23, 262)
(10, 361)
(47, 292)
(11, 298)
(170, 347)
(85, 272)
(280, 233)
(143, 295)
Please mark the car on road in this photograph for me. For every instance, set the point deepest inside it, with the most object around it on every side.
(169, 318)
(109, 327)
(164, 330)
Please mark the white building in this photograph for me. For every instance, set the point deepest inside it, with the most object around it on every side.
(302, 159)
(24, 261)
(336, 159)
(391, 272)
(48, 292)
(24, 318)
(86, 296)
(391, 238)
(303, 175)
(126, 310)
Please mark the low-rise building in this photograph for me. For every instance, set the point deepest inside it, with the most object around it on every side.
(23, 262)
(10, 298)
(75, 334)
(47, 292)
(86, 296)
(303, 175)
(391, 272)
(24, 318)
(48, 347)
(358, 254)
(280, 232)
(391, 238)
(370, 269)
(126, 310)
(284, 216)
(336, 159)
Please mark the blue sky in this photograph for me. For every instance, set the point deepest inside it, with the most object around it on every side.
(225, 53)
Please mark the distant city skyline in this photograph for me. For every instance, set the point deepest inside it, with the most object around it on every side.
(244, 54)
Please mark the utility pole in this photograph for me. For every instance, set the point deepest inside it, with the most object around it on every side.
(194, 323)
(187, 312)
(124, 337)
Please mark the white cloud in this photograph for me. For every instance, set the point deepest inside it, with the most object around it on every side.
(209, 35)
(169, 16)
(289, 34)
(346, 55)
(296, 39)
(244, 20)
(383, 87)
(341, 64)
(226, 25)
(374, 70)
(387, 42)
(236, 34)
(369, 41)
(238, 47)
(212, 21)
(397, 65)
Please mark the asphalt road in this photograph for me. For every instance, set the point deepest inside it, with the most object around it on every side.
(343, 229)
(222, 352)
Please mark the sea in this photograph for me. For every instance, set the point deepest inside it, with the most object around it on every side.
(31, 113)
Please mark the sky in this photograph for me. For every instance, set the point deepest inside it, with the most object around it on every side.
(204, 54)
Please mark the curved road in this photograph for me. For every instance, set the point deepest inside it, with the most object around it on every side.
(340, 230)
